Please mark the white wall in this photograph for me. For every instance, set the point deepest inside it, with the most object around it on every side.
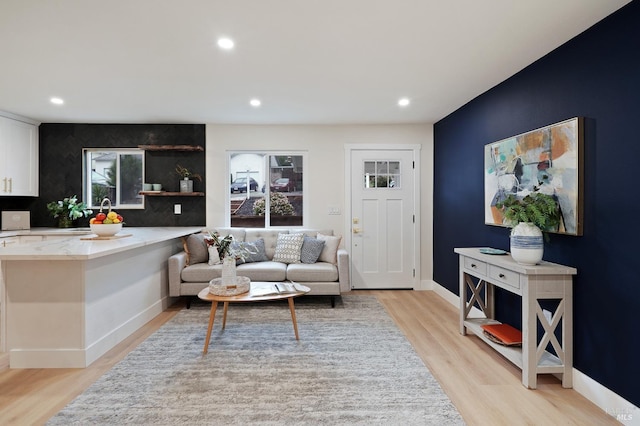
(325, 168)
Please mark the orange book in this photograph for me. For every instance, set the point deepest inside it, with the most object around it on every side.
(503, 334)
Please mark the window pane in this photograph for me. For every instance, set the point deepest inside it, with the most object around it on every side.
(247, 188)
(130, 181)
(114, 174)
(275, 192)
(381, 174)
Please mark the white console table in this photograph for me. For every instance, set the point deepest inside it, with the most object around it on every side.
(481, 273)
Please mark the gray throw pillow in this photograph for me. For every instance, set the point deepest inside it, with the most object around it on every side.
(249, 252)
(311, 249)
(196, 249)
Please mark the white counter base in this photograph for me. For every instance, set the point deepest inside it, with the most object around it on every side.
(66, 314)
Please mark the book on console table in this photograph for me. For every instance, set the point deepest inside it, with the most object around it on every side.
(267, 289)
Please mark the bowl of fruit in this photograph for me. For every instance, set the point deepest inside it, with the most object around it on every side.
(106, 224)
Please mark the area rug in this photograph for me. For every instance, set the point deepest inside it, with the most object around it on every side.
(351, 366)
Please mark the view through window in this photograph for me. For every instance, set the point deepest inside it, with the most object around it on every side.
(266, 189)
(114, 174)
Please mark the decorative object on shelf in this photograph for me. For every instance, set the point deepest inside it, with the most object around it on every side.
(106, 224)
(549, 159)
(68, 210)
(186, 183)
(529, 217)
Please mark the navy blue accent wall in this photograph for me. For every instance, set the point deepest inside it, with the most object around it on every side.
(596, 75)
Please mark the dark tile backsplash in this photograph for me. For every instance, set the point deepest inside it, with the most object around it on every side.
(61, 170)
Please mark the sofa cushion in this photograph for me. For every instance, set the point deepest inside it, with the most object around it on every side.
(316, 272)
(288, 248)
(201, 273)
(330, 249)
(196, 248)
(270, 237)
(311, 249)
(263, 271)
(249, 252)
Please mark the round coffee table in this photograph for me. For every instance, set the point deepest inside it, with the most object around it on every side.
(259, 292)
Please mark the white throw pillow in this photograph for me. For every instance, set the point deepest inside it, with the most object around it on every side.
(214, 256)
(330, 250)
(288, 248)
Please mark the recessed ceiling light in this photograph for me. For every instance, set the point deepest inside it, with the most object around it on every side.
(255, 102)
(403, 102)
(56, 101)
(225, 43)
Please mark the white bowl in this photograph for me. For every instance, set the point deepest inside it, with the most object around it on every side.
(106, 230)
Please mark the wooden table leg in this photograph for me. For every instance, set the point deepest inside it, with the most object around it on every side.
(212, 315)
(224, 315)
(293, 317)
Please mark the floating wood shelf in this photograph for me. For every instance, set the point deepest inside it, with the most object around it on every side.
(171, 194)
(171, 147)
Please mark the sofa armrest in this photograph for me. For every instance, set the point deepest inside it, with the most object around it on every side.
(177, 263)
(343, 270)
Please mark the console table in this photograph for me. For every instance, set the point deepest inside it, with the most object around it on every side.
(481, 273)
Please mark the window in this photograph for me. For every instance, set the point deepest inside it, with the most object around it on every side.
(381, 174)
(266, 189)
(113, 174)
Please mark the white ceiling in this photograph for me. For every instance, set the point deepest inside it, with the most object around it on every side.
(310, 62)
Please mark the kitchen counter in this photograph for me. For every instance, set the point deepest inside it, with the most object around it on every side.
(74, 247)
(67, 301)
(45, 231)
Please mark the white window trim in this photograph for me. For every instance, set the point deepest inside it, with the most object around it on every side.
(86, 171)
(305, 183)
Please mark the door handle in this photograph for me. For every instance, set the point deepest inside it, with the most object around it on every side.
(10, 185)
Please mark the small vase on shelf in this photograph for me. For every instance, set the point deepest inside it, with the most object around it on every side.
(186, 185)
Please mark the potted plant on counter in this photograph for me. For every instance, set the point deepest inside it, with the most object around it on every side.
(529, 217)
(68, 210)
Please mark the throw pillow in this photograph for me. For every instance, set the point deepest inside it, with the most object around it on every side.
(288, 248)
(214, 256)
(249, 251)
(196, 249)
(330, 250)
(311, 249)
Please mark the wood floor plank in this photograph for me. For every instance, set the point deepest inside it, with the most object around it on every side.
(485, 387)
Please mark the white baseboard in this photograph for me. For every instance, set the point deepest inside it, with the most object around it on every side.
(610, 402)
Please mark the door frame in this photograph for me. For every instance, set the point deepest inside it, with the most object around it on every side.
(416, 149)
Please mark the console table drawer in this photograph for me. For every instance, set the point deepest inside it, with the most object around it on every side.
(475, 265)
(504, 276)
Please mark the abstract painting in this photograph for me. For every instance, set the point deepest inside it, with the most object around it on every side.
(548, 160)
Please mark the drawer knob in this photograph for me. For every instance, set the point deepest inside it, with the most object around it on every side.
(502, 276)
(473, 265)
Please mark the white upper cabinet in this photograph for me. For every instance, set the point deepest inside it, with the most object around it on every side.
(18, 158)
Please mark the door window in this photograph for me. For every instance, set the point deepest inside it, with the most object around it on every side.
(381, 174)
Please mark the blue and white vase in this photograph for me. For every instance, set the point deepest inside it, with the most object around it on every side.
(527, 246)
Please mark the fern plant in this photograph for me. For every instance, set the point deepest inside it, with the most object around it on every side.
(540, 209)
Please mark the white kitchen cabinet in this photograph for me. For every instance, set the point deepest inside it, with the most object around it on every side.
(18, 158)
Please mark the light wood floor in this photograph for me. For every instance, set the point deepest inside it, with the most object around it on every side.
(484, 387)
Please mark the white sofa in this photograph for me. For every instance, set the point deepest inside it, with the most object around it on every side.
(329, 276)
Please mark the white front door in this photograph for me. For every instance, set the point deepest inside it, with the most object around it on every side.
(383, 222)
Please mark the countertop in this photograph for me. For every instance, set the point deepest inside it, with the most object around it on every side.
(75, 248)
